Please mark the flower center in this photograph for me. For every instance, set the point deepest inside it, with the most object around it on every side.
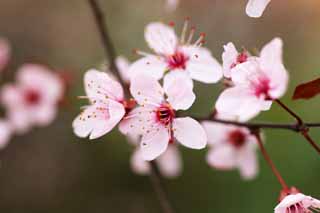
(32, 97)
(241, 58)
(237, 138)
(177, 61)
(262, 87)
(297, 208)
(165, 114)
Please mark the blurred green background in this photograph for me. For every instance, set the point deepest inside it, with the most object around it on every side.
(50, 170)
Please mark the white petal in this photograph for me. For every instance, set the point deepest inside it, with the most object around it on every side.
(240, 102)
(138, 164)
(154, 143)
(229, 57)
(5, 133)
(216, 132)
(247, 162)
(150, 65)
(272, 66)
(245, 73)
(289, 201)
(170, 164)
(123, 66)
(179, 88)
(189, 133)
(172, 5)
(98, 119)
(99, 85)
(146, 90)
(202, 66)
(161, 38)
(255, 8)
(138, 121)
(222, 157)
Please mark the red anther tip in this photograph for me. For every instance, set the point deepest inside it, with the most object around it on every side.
(134, 51)
(203, 34)
(193, 28)
(187, 18)
(171, 23)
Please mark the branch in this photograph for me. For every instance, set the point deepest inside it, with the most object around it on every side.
(156, 177)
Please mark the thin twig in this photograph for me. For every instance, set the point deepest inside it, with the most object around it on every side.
(269, 161)
(156, 177)
(159, 188)
(304, 128)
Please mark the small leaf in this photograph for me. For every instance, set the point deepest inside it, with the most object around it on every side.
(307, 90)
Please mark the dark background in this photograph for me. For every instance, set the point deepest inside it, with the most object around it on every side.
(50, 170)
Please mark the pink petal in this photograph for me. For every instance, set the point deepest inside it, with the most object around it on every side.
(138, 164)
(229, 57)
(239, 101)
(123, 66)
(11, 96)
(189, 133)
(172, 5)
(202, 66)
(42, 79)
(289, 201)
(5, 52)
(247, 162)
(272, 66)
(170, 163)
(139, 121)
(161, 38)
(20, 120)
(178, 87)
(255, 8)
(146, 90)
(98, 119)
(149, 65)
(154, 143)
(216, 133)
(245, 73)
(5, 133)
(99, 85)
(222, 157)
(44, 114)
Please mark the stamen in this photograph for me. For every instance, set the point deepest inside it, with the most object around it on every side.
(141, 53)
(201, 40)
(192, 31)
(184, 30)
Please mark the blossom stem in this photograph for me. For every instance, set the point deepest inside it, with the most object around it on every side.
(304, 128)
(159, 188)
(105, 38)
(266, 156)
(156, 177)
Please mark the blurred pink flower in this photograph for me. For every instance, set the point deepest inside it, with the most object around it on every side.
(32, 101)
(169, 162)
(155, 118)
(232, 147)
(174, 55)
(5, 133)
(172, 5)
(106, 107)
(4, 53)
(298, 203)
(255, 8)
(256, 84)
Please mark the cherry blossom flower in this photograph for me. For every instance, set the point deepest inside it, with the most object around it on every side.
(155, 119)
(255, 8)
(32, 101)
(298, 203)
(174, 55)
(256, 83)
(5, 133)
(4, 53)
(123, 66)
(232, 147)
(107, 106)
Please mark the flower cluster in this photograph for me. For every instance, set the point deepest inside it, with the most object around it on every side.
(31, 101)
(161, 86)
